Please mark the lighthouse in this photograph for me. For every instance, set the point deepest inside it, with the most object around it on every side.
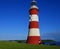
(34, 31)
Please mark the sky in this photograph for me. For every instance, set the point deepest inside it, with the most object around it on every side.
(14, 19)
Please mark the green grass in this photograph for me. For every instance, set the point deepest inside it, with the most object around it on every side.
(15, 45)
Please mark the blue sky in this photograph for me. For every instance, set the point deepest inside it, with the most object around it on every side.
(14, 19)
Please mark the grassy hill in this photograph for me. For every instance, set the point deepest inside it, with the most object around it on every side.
(15, 45)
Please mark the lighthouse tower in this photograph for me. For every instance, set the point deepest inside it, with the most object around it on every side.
(34, 33)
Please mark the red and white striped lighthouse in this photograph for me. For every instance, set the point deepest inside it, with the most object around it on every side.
(34, 33)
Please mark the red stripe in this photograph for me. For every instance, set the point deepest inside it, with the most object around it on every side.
(33, 24)
(34, 40)
(33, 11)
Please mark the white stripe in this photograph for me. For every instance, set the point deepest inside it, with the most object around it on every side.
(34, 32)
(34, 6)
(34, 18)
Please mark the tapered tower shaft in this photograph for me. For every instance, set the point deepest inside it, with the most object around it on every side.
(34, 33)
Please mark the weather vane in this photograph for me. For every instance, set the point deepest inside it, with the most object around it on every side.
(34, 0)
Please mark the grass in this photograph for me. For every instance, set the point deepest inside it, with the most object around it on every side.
(15, 45)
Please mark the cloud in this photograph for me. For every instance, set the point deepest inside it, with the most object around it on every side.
(52, 35)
